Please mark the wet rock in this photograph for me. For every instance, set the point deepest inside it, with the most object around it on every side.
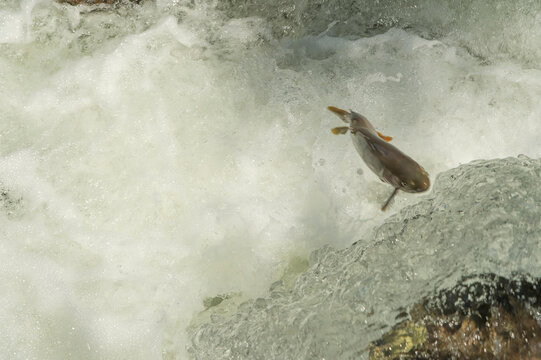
(490, 318)
(11, 204)
(480, 218)
(213, 301)
(94, 2)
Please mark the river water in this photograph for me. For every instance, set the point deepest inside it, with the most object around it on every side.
(154, 155)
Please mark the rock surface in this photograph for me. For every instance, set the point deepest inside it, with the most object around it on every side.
(94, 2)
(481, 218)
(484, 317)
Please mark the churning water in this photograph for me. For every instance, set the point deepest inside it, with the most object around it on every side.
(154, 155)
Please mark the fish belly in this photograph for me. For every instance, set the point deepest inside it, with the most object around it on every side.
(367, 154)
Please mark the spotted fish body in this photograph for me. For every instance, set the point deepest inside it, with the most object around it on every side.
(386, 161)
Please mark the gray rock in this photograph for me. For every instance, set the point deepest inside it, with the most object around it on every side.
(95, 2)
(11, 204)
(482, 217)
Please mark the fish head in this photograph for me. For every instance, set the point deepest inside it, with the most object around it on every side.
(397, 168)
(412, 179)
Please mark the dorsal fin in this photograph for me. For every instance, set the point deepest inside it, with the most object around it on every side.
(386, 138)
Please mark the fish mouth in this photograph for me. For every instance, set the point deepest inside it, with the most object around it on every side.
(423, 186)
(423, 182)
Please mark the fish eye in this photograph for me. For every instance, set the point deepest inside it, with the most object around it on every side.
(403, 183)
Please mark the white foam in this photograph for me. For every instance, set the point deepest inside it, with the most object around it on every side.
(15, 25)
(11, 27)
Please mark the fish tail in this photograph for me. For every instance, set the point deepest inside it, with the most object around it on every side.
(342, 114)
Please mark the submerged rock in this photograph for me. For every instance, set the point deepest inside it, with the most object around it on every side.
(11, 204)
(481, 218)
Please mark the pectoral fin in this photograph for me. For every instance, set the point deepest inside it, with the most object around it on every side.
(389, 200)
(340, 130)
(386, 138)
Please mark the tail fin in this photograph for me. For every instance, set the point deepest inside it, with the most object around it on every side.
(342, 114)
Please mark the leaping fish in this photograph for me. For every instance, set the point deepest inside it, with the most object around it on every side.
(386, 161)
